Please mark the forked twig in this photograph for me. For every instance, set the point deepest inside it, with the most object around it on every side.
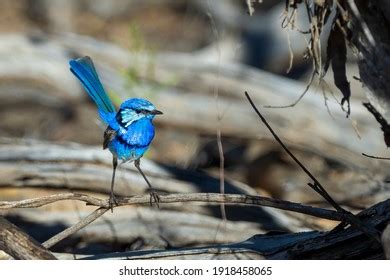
(316, 186)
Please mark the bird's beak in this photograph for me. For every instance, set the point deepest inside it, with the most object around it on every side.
(156, 112)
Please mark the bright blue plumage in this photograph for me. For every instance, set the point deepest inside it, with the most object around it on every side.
(130, 142)
(130, 130)
(84, 70)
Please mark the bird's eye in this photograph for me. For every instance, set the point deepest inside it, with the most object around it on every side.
(141, 111)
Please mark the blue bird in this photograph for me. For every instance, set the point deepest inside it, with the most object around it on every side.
(129, 131)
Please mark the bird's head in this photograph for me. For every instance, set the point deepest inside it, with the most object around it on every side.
(134, 109)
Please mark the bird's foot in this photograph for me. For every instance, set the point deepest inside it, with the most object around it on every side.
(112, 201)
(154, 197)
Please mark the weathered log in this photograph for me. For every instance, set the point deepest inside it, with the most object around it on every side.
(20, 245)
(76, 167)
(35, 163)
(191, 109)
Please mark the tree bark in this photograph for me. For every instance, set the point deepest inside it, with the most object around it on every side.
(19, 245)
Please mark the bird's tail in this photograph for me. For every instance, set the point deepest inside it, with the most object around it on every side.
(84, 70)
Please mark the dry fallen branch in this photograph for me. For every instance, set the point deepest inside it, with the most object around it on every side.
(19, 245)
(48, 167)
(45, 165)
(228, 199)
(174, 198)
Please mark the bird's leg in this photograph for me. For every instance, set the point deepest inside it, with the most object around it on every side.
(112, 199)
(153, 194)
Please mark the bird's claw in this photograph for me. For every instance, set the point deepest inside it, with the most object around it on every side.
(154, 197)
(112, 201)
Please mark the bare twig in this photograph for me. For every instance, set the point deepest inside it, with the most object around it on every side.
(209, 198)
(221, 172)
(313, 73)
(290, 65)
(219, 118)
(69, 231)
(316, 186)
(299, 98)
(104, 206)
(19, 245)
(375, 157)
(381, 120)
(45, 200)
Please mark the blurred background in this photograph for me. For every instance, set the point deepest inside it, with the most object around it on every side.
(193, 60)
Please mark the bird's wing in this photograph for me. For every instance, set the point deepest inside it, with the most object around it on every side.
(138, 134)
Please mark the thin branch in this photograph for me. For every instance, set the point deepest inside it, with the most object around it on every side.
(219, 118)
(381, 120)
(299, 98)
(45, 200)
(209, 198)
(316, 186)
(291, 62)
(366, 31)
(375, 157)
(221, 172)
(76, 227)
(378, 116)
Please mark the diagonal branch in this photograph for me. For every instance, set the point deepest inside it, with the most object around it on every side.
(73, 229)
(316, 186)
(381, 120)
